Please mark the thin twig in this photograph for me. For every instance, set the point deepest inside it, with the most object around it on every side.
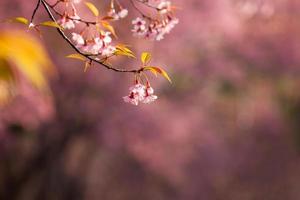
(70, 18)
(35, 10)
(89, 57)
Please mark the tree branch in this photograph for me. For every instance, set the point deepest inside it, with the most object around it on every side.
(35, 10)
(89, 57)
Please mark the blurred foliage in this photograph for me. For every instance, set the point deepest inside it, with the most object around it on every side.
(22, 56)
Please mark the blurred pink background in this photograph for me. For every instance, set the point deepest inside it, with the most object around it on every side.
(226, 129)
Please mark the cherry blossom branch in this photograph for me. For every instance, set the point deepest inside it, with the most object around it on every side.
(87, 56)
(70, 18)
(89, 50)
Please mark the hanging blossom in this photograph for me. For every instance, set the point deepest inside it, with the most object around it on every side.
(117, 15)
(155, 29)
(140, 93)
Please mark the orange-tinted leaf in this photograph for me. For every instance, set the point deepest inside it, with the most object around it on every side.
(87, 66)
(109, 27)
(159, 70)
(107, 18)
(76, 56)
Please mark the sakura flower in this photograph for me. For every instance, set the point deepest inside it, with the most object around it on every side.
(105, 37)
(149, 97)
(76, 1)
(137, 94)
(131, 99)
(116, 16)
(138, 90)
(164, 7)
(123, 13)
(140, 93)
(78, 39)
(108, 51)
(93, 46)
(169, 25)
(66, 23)
(112, 13)
(139, 27)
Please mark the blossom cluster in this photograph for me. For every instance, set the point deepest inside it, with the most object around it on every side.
(94, 42)
(155, 29)
(140, 93)
(99, 44)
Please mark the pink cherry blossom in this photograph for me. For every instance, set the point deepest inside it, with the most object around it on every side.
(137, 94)
(139, 28)
(149, 97)
(66, 23)
(123, 13)
(108, 51)
(78, 39)
(164, 7)
(140, 93)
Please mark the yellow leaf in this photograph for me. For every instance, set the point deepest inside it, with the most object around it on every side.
(145, 58)
(123, 50)
(28, 56)
(119, 52)
(109, 27)
(159, 70)
(76, 56)
(7, 82)
(21, 20)
(152, 70)
(92, 8)
(51, 24)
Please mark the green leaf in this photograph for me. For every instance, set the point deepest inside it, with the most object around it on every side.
(92, 8)
(51, 24)
(145, 58)
(159, 70)
(76, 56)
